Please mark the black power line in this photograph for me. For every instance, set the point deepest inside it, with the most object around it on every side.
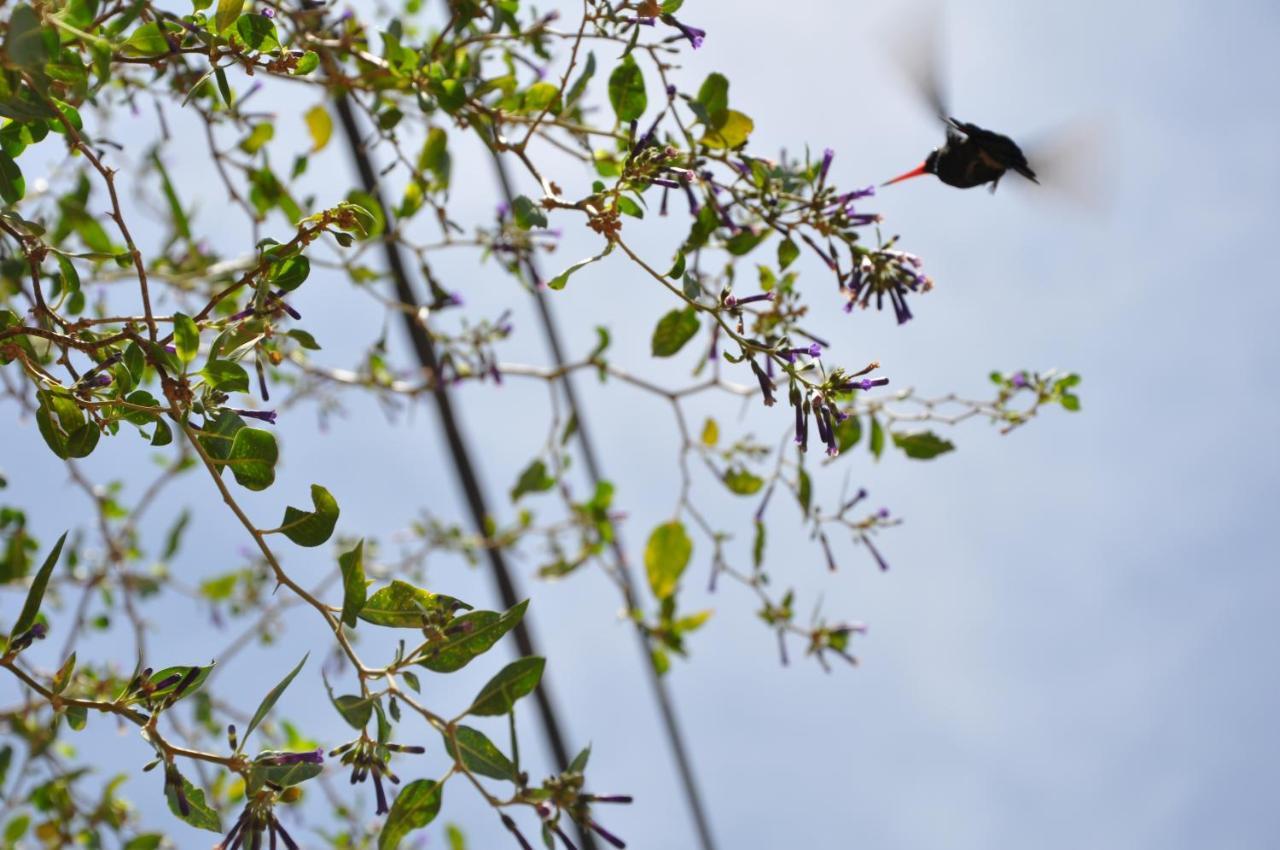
(458, 451)
(671, 724)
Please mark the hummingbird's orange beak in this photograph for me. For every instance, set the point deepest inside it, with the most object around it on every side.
(915, 172)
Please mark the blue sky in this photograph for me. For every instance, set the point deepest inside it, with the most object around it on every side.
(1071, 647)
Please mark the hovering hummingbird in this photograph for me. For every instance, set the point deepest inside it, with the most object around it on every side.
(971, 157)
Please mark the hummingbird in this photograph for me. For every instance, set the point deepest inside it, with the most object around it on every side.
(970, 157)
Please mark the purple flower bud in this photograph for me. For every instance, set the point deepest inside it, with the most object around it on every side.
(268, 12)
(671, 90)
(883, 513)
(268, 416)
(1019, 380)
(827, 156)
(101, 379)
(171, 349)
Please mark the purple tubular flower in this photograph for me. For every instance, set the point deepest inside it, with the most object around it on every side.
(866, 383)
(268, 416)
(875, 553)
(766, 385)
(732, 301)
(802, 425)
(567, 842)
(606, 834)
(608, 798)
(514, 830)
(695, 35)
(666, 184)
(382, 796)
(827, 156)
(310, 757)
(826, 549)
(168, 681)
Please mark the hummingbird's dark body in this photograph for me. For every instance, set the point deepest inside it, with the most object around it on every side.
(972, 157)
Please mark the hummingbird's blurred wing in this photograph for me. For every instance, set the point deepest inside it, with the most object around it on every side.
(1071, 162)
(916, 45)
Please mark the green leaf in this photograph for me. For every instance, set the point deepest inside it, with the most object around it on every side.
(355, 710)
(877, 441)
(713, 97)
(677, 267)
(12, 185)
(308, 63)
(148, 841)
(626, 90)
(63, 677)
(512, 682)
(415, 806)
(31, 608)
(534, 479)
(258, 32)
(198, 814)
(226, 376)
(804, 491)
(673, 331)
(289, 274)
(478, 754)
(77, 717)
(788, 251)
(745, 241)
(320, 125)
(848, 433)
(527, 214)
(733, 133)
(579, 762)
(468, 637)
(558, 282)
(147, 40)
(400, 605)
(304, 339)
(283, 775)
(253, 459)
(228, 12)
(186, 337)
(757, 545)
(354, 585)
(665, 557)
(922, 445)
(64, 428)
(742, 482)
(710, 433)
(315, 527)
(25, 43)
(540, 96)
(270, 699)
